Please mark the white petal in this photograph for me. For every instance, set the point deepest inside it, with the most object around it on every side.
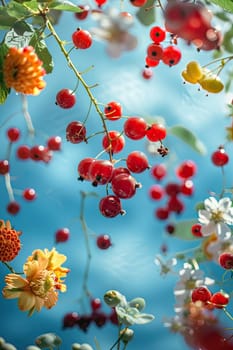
(223, 231)
(211, 203)
(204, 216)
(225, 204)
(207, 230)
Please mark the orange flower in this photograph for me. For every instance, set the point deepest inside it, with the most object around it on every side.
(40, 287)
(9, 242)
(23, 71)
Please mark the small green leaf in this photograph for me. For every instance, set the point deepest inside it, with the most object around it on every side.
(4, 91)
(222, 15)
(42, 52)
(17, 10)
(228, 40)
(183, 229)
(6, 21)
(64, 5)
(146, 13)
(225, 4)
(20, 27)
(188, 137)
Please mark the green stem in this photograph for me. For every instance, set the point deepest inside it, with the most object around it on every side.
(228, 314)
(3, 3)
(9, 267)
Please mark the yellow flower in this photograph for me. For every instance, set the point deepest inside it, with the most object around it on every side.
(9, 241)
(42, 281)
(23, 71)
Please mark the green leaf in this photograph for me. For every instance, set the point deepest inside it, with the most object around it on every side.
(42, 52)
(6, 21)
(17, 10)
(64, 5)
(228, 40)
(146, 13)
(225, 4)
(188, 137)
(183, 229)
(222, 15)
(4, 91)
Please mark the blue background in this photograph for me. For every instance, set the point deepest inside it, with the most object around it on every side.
(128, 265)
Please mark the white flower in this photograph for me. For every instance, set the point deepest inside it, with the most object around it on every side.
(165, 266)
(216, 217)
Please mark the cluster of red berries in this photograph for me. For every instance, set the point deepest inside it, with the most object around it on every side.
(23, 152)
(218, 300)
(156, 52)
(96, 316)
(191, 21)
(172, 191)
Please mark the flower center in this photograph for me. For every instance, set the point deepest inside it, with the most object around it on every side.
(217, 216)
(42, 284)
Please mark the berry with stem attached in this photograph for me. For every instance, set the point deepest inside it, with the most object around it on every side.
(65, 98)
(82, 39)
(13, 134)
(156, 132)
(62, 235)
(137, 162)
(219, 300)
(76, 132)
(103, 241)
(110, 206)
(135, 128)
(29, 194)
(202, 294)
(226, 260)
(220, 157)
(124, 186)
(100, 171)
(84, 13)
(113, 142)
(84, 167)
(4, 167)
(113, 111)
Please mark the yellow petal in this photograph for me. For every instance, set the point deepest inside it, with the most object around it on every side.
(15, 281)
(194, 70)
(26, 301)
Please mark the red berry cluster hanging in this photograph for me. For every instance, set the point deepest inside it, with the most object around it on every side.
(96, 316)
(172, 192)
(191, 21)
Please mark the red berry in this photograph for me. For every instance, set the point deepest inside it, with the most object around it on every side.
(226, 261)
(147, 73)
(113, 111)
(156, 192)
(172, 189)
(84, 167)
(29, 194)
(54, 143)
(201, 294)
(99, 318)
(175, 204)
(4, 167)
(187, 188)
(138, 3)
(82, 39)
(220, 157)
(137, 162)
(151, 62)
(103, 241)
(95, 304)
(75, 132)
(155, 51)
(124, 186)
(170, 229)
(70, 320)
(159, 171)
(186, 169)
(156, 132)
(162, 213)
(196, 230)
(82, 15)
(100, 172)
(171, 55)
(110, 206)
(37, 153)
(65, 98)
(23, 152)
(13, 134)
(120, 170)
(220, 300)
(13, 207)
(157, 34)
(62, 235)
(100, 2)
(113, 142)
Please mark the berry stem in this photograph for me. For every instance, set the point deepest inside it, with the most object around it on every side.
(228, 314)
(9, 187)
(27, 116)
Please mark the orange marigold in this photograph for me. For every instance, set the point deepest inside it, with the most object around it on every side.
(9, 242)
(23, 71)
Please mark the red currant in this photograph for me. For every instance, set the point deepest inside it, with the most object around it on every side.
(162, 213)
(113, 142)
(187, 188)
(137, 162)
(120, 170)
(175, 204)
(95, 304)
(147, 73)
(29, 194)
(170, 228)
(75, 132)
(155, 51)
(110, 206)
(220, 157)
(201, 294)
(70, 320)
(113, 111)
(54, 143)
(82, 39)
(62, 235)
(151, 62)
(159, 171)
(156, 192)
(220, 300)
(135, 128)
(82, 15)
(186, 169)
(156, 132)
(157, 34)
(124, 186)
(13, 134)
(226, 261)
(23, 152)
(171, 55)
(37, 152)
(84, 167)
(103, 241)
(4, 167)
(196, 230)
(172, 189)
(100, 2)
(138, 3)
(99, 318)
(100, 172)
(65, 98)
(13, 207)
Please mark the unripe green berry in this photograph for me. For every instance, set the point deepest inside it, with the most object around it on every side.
(47, 340)
(112, 298)
(76, 346)
(126, 334)
(7, 346)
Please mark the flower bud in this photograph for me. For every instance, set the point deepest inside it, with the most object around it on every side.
(112, 298)
(48, 340)
(76, 346)
(32, 347)
(8, 346)
(85, 346)
(126, 334)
